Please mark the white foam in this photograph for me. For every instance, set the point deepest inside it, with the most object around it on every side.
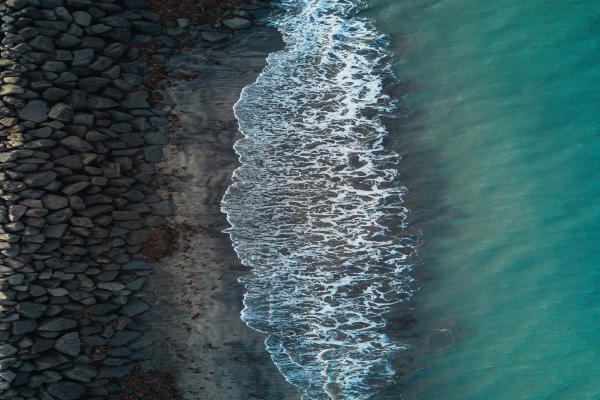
(316, 208)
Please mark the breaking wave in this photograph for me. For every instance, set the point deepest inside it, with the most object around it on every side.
(316, 207)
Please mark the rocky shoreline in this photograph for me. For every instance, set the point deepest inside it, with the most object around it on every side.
(82, 132)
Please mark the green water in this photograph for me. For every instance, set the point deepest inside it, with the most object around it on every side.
(505, 105)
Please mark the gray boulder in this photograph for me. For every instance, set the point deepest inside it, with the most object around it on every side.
(35, 111)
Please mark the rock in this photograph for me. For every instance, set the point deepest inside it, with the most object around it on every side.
(101, 64)
(42, 43)
(137, 265)
(23, 326)
(55, 231)
(54, 66)
(50, 360)
(73, 161)
(75, 188)
(136, 100)
(60, 216)
(54, 202)
(58, 292)
(8, 90)
(81, 373)
(137, 284)
(114, 50)
(30, 310)
(40, 178)
(126, 215)
(82, 18)
(78, 99)
(57, 324)
(237, 23)
(66, 79)
(35, 111)
(134, 307)
(63, 14)
(61, 112)
(100, 103)
(83, 57)
(7, 376)
(77, 144)
(214, 37)
(54, 94)
(123, 337)
(63, 55)
(101, 309)
(64, 390)
(6, 350)
(111, 286)
(16, 212)
(67, 41)
(69, 344)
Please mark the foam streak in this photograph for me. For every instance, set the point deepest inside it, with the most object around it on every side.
(316, 207)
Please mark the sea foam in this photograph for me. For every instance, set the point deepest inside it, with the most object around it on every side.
(316, 207)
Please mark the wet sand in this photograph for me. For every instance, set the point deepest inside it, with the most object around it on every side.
(199, 336)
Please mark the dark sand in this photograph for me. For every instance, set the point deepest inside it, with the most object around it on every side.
(200, 338)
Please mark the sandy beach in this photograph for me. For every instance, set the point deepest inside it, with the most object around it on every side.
(199, 336)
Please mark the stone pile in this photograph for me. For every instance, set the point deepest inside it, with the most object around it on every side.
(78, 140)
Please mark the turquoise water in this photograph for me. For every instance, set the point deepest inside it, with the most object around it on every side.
(505, 115)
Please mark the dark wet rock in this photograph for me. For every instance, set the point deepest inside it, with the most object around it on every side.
(50, 360)
(54, 202)
(55, 231)
(23, 327)
(100, 103)
(72, 161)
(61, 112)
(35, 111)
(81, 373)
(69, 344)
(83, 57)
(42, 43)
(136, 100)
(76, 143)
(82, 18)
(101, 64)
(114, 50)
(16, 212)
(101, 309)
(57, 324)
(7, 350)
(54, 94)
(54, 66)
(40, 178)
(123, 337)
(65, 390)
(60, 216)
(31, 310)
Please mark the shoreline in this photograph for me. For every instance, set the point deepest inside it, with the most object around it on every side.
(200, 337)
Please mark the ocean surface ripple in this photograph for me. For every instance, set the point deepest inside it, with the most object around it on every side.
(316, 207)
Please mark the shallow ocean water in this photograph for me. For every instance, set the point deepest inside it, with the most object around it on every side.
(504, 113)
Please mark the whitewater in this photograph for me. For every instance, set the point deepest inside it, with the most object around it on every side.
(316, 207)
